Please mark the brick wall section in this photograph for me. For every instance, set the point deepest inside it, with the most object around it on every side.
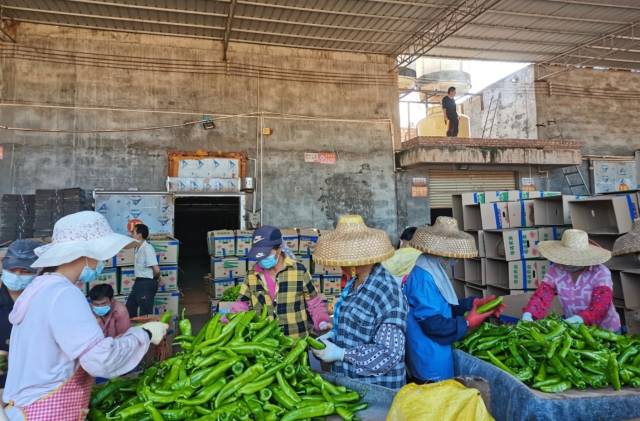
(493, 143)
(599, 107)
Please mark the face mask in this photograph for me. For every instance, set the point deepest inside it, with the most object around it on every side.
(89, 275)
(268, 262)
(102, 310)
(16, 282)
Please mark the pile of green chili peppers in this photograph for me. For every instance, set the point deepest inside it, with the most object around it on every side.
(245, 369)
(553, 356)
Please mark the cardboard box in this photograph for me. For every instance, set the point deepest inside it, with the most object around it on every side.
(513, 305)
(125, 257)
(109, 263)
(606, 241)
(168, 278)
(630, 282)
(566, 199)
(127, 278)
(494, 215)
(511, 244)
(319, 269)
(632, 319)
(474, 291)
(308, 240)
(166, 249)
(166, 301)
(469, 198)
(521, 213)
(108, 276)
(221, 243)
(317, 283)
(244, 241)
(331, 302)
(542, 269)
(220, 285)
(331, 284)
(603, 215)
(550, 233)
(480, 243)
(501, 196)
(291, 239)
(519, 274)
(473, 271)
(626, 262)
(228, 267)
(616, 279)
(458, 287)
(548, 211)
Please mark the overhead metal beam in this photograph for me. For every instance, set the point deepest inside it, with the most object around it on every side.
(594, 4)
(432, 34)
(555, 17)
(146, 8)
(564, 58)
(508, 40)
(227, 29)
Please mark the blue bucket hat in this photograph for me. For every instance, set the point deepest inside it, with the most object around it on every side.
(265, 239)
(21, 255)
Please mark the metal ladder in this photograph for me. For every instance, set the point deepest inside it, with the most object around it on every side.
(572, 171)
(493, 116)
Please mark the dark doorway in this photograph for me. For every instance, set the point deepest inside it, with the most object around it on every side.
(194, 217)
(435, 213)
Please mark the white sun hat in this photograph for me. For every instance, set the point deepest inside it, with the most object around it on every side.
(574, 250)
(82, 234)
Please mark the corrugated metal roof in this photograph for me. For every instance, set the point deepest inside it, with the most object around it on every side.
(513, 30)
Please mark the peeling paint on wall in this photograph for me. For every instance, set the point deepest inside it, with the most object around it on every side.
(346, 194)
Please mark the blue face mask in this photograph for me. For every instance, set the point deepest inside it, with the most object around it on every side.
(89, 275)
(102, 310)
(268, 262)
(15, 282)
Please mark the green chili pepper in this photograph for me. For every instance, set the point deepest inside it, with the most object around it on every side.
(557, 387)
(236, 384)
(286, 388)
(265, 332)
(289, 371)
(217, 371)
(491, 305)
(299, 348)
(212, 326)
(514, 351)
(166, 317)
(584, 332)
(237, 368)
(612, 371)
(495, 361)
(566, 346)
(345, 414)
(315, 344)
(105, 391)
(606, 335)
(252, 349)
(347, 397)
(273, 408)
(628, 353)
(130, 412)
(172, 377)
(265, 394)
(552, 349)
(256, 386)
(153, 412)
(320, 410)
(205, 395)
(185, 325)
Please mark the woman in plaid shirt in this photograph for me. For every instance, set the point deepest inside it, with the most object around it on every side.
(368, 339)
(283, 285)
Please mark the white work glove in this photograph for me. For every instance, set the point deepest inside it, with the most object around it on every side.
(327, 336)
(330, 354)
(157, 330)
(527, 317)
(574, 320)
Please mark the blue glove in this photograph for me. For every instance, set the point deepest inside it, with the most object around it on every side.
(527, 317)
(327, 336)
(574, 320)
(330, 354)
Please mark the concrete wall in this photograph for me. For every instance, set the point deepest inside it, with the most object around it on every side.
(511, 114)
(598, 107)
(354, 101)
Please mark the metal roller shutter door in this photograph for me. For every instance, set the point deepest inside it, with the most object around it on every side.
(444, 184)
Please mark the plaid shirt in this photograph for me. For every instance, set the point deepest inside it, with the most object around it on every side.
(379, 300)
(294, 287)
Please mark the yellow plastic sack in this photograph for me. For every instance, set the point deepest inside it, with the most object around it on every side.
(444, 401)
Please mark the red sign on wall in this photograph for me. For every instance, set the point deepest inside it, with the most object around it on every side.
(328, 158)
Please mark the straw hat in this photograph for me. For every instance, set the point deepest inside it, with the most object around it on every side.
(573, 250)
(445, 239)
(81, 234)
(352, 244)
(628, 243)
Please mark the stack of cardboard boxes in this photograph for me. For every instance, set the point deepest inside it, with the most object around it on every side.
(606, 218)
(119, 273)
(229, 264)
(507, 227)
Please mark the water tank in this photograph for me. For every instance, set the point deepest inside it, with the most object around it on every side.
(437, 75)
(406, 78)
(434, 125)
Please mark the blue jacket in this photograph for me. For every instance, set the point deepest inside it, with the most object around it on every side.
(432, 326)
(6, 305)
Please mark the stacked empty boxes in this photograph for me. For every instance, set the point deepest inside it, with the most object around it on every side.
(606, 218)
(17, 214)
(51, 205)
(229, 262)
(120, 274)
(507, 227)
